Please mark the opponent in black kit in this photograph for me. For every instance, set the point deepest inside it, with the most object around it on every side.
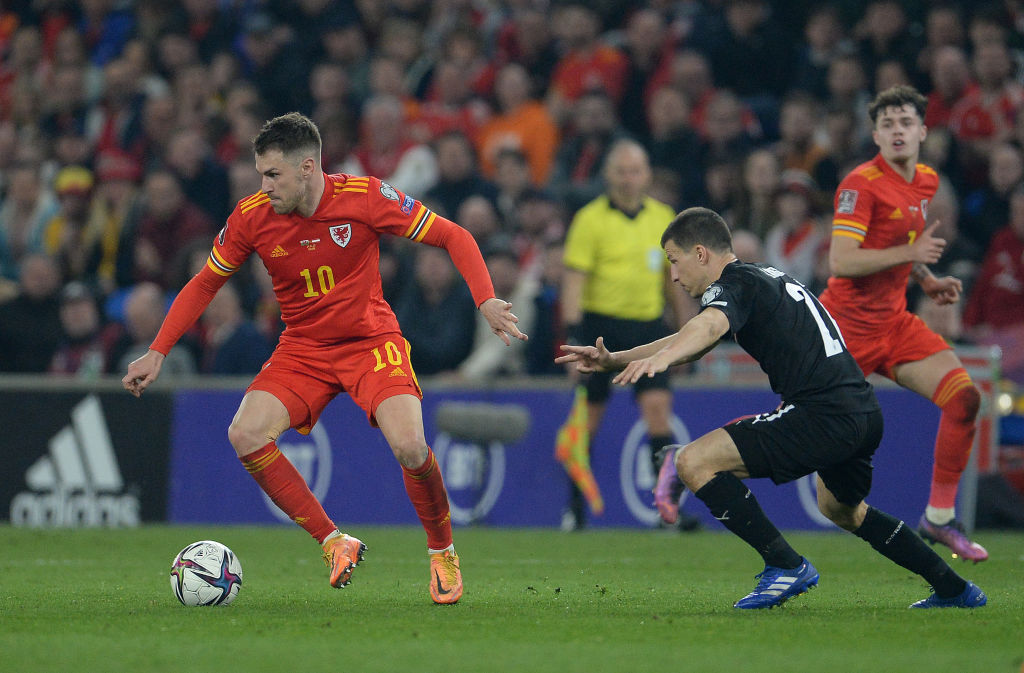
(829, 420)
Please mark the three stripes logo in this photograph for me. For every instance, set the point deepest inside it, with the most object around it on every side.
(79, 482)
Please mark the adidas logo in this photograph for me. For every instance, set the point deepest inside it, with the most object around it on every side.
(79, 483)
(279, 252)
(896, 215)
(397, 371)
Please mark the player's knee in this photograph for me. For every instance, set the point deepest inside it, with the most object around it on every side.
(964, 405)
(411, 452)
(692, 469)
(845, 516)
(247, 437)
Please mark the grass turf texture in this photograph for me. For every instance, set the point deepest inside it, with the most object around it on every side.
(536, 600)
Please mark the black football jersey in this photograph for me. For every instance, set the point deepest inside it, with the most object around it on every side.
(791, 335)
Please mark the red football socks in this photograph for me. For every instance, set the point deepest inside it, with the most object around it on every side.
(958, 399)
(282, 482)
(430, 499)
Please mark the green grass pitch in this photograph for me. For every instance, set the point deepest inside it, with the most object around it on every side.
(536, 600)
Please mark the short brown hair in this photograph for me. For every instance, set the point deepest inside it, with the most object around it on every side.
(897, 96)
(288, 133)
(698, 226)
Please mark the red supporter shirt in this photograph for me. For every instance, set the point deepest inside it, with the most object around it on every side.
(325, 267)
(601, 69)
(998, 294)
(876, 207)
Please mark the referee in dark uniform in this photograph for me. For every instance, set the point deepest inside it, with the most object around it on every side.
(615, 285)
(829, 421)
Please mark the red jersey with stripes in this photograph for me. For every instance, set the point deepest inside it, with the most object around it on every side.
(324, 268)
(878, 208)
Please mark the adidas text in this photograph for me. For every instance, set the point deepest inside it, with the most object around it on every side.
(78, 483)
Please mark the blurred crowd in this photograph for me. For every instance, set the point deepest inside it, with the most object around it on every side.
(125, 131)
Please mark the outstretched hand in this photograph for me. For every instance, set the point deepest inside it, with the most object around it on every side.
(142, 372)
(502, 320)
(588, 359)
(637, 369)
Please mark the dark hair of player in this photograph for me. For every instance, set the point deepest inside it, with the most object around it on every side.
(698, 226)
(897, 96)
(288, 133)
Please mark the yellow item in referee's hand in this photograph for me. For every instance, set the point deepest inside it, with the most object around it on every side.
(573, 452)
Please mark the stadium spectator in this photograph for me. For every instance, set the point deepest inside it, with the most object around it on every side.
(725, 132)
(479, 217)
(944, 28)
(451, 105)
(384, 150)
(344, 42)
(86, 342)
(118, 117)
(847, 84)
(749, 35)
(144, 310)
(437, 314)
(951, 82)
(587, 64)
(527, 38)
(67, 236)
(798, 147)
(884, 34)
(648, 47)
(231, 343)
(521, 123)
(62, 105)
(106, 26)
(540, 219)
(167, 223)
(512, 179)
(117, 205)
(26, 208)
(755, 211)
(458, 177)
(824, 39)
(984, 118)
(282, 82)
(203, 180)
(576, 176)
(993, 312)
(796, 240)
(673, 144)
(988, 209)
(30, 321)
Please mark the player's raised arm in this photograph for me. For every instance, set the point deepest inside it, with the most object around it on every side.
(407, 217)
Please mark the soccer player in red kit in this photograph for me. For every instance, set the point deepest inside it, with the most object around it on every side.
(880, 240)
(318, 235)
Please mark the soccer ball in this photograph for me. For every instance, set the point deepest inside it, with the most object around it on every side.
(206, 573)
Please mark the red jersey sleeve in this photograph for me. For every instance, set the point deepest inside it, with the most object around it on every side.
(396, 213)
(853, 205)
(230, 250)
(186, 308)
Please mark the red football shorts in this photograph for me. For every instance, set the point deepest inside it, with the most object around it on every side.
(306, 377)
(879, 347)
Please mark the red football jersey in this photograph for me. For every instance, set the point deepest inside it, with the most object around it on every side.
(876, 207)
(324, 268)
